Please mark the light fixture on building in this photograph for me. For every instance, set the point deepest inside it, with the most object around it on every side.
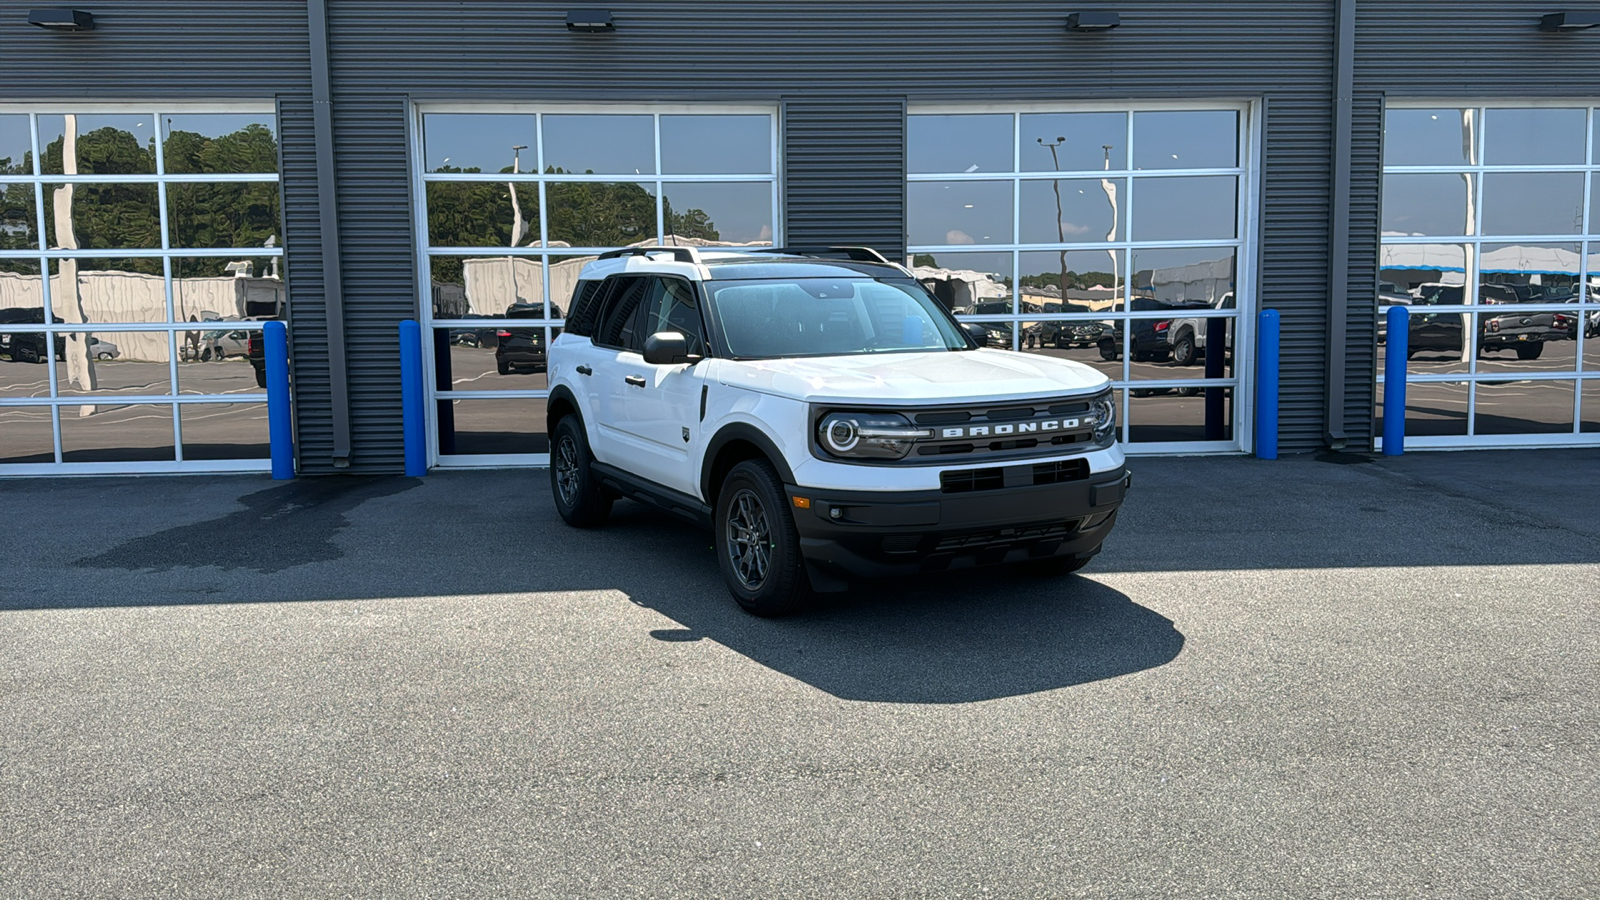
(1093, 21)
(1569, 21)
(591, 21)
(61, 19)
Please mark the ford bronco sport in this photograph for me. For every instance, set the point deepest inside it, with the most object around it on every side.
(826, 416)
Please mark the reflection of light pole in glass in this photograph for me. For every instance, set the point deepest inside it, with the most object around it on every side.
(516, 205)
(1110, 187)
(1061, 231)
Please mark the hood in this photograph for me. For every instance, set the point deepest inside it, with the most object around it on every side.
(898, 378)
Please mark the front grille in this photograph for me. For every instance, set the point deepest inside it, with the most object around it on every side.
(965, 481)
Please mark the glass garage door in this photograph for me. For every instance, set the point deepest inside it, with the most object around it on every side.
(139, 255)
(1115, 236)
(1491, 241)
(513, 202)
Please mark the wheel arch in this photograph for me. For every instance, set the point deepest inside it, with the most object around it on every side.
(561, 404)
(733, 444)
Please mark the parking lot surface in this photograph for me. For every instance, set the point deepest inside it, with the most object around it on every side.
(1317, 677)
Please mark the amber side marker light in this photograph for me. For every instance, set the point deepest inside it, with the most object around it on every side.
(802, 503)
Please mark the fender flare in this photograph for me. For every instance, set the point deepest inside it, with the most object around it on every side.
(741, 431)
(562, 392)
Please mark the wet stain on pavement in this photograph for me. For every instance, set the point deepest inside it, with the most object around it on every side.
(279, 528)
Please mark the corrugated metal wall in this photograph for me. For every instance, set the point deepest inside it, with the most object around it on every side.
(813, 57)
(842, 72)
(844, 172)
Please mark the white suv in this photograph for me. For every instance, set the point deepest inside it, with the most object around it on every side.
(826, 416)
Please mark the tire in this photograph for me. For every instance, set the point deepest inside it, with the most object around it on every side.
(579, 498)
(1529, 351)
(758, 546)
(102, 356)
(1183, 350)
(503, 366)
(261, 376)
(1188, 391)
(1108, 350)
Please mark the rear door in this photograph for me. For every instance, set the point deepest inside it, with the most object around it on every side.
(599, 369)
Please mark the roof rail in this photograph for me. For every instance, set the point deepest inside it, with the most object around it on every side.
(859, 254)
(680, 254)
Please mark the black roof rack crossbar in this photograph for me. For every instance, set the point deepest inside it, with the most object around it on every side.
(680, 254)
(859, 254)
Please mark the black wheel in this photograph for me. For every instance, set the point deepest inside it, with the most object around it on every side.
(1183, 351)
(102, 356)
(757, 544)
(1108, 350)
(503, 366)
(580, 499)
(261, 377)
(1529, 351)
(1188, 391)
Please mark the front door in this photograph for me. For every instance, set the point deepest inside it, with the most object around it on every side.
(657, 409)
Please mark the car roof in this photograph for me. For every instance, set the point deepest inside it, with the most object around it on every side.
(729, 263)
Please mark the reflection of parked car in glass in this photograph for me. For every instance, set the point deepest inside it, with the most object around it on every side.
(522, 348)
(997, 334)
(1065, 335)
(1151, 337)
(461, 336)
(1189, 335)
(27, 346)
(220, 345)
(103, 349)
(1523, 333)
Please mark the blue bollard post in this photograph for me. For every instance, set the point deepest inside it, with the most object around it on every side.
(411, 398)
(280, 426)
(1394, 381)
(1267, 385)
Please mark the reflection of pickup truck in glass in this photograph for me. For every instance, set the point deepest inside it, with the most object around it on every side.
(1525, 333)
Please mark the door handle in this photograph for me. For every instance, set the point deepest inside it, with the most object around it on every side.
(585, 370)
(635, 380)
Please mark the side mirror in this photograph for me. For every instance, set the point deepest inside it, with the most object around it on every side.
(666, 348)
(978, 333)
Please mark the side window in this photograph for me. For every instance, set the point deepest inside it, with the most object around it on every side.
(614, 324)
(584, 305)
(671, 306)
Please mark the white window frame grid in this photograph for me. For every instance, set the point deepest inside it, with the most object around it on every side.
(1587, 242)
(545, 255)
(1247, 175)
(173, 400)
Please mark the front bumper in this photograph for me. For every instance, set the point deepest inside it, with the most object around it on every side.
(878, 534)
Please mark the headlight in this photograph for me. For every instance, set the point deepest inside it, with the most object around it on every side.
(1103, 409)
(868, 435)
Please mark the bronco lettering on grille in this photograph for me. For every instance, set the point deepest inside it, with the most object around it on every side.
(1017, 428)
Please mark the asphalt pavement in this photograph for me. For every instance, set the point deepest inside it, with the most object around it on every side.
(1335, 676)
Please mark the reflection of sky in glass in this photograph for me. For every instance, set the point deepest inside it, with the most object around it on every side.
(740, 212)
(959, 212)
(15, 143)
(1532, 203)
(1199, 139)
(215, 125)
(1178, 209)
(1594, 205)
(481, 142)
(53, 128)
(1544, 137)
(1085, 133)
(1425, 204)
(1423, 137)
(716, 145)
(1086, 211)
(601, 144)
(975, 143)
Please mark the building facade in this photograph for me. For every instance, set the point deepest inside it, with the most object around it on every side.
(1131, 198)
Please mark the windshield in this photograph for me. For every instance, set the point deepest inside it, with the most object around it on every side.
(767, 319)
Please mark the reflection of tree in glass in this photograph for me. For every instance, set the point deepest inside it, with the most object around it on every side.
(1070, 281)
(19, 225)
